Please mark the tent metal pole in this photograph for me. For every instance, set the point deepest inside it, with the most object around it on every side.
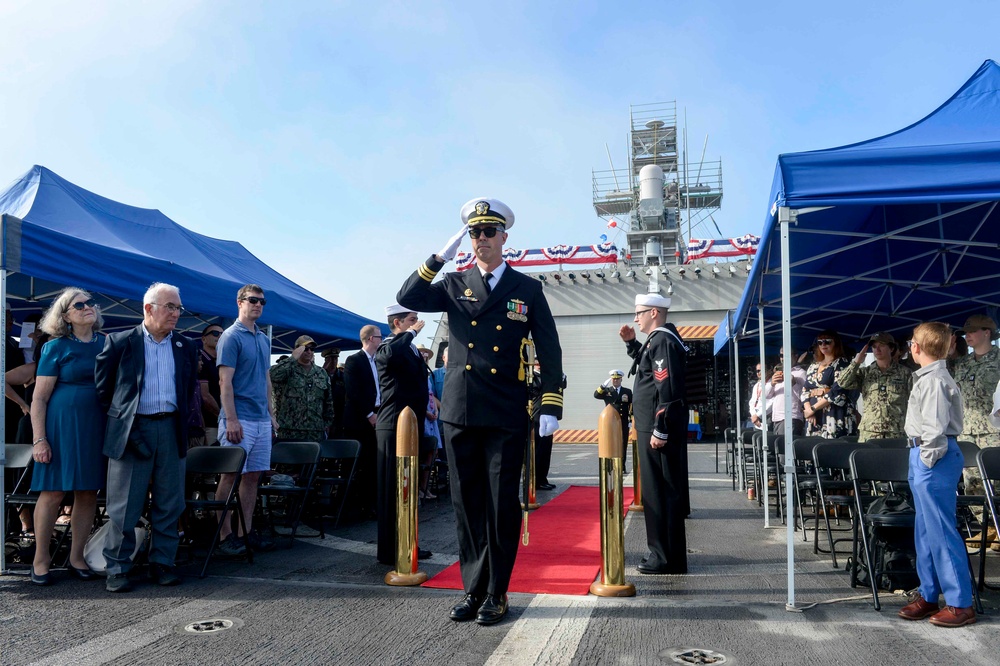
(786, 217)
(737, 401)
(763, 424)
(3, 418)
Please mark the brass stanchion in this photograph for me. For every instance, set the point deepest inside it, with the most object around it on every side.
(610, 449)
(407, 471)
(636, 475)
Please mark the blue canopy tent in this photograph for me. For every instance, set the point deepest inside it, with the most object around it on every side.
(56, 234)
(880, 235)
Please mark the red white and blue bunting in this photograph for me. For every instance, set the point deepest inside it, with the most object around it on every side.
(724, 247)
(603, 253)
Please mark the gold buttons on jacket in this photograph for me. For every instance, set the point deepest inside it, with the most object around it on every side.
(493, 371)
(471, 345)
(499, 327)
(468, 367)
(496, 349)
(474, 322)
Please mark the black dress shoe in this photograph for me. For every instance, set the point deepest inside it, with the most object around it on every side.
(117, 583)
(82, 574)
(493, 610)
(40, 579)
(661, 569)
(424, 554)
(546, 486)
(163, 575)
(466, 609)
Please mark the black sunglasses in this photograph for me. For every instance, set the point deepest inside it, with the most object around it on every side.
(489, 232)
(79, 305)
(254, 300)
(824, 341)
(214, 334)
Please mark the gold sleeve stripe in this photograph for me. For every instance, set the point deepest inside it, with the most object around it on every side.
(552, 399)
(426, 273)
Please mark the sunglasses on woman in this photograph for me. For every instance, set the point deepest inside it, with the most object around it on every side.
(80, 305)
(489, 232)
(825, 341)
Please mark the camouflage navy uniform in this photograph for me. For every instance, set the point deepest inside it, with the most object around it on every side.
(303, 401)
(885, 394)
(977, 378)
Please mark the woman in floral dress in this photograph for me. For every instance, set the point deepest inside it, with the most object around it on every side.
(827, 407)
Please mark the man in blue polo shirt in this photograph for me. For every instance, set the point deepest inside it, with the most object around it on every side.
(247, 417)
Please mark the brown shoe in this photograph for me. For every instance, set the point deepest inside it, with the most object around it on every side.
(918, 609)
(949, 616)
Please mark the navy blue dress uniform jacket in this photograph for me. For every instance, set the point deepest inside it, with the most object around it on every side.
(620, 399)
(484, 384)
(402, 376)
(119, 375)
(659, 386)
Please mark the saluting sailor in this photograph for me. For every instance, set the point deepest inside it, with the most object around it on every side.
(492, 310)
(661, 419)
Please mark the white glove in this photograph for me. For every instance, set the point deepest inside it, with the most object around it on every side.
(547, 424)
(448, 252)
(607, 383)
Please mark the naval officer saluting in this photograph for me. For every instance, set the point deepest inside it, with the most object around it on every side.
(491, 309)
(661, 430)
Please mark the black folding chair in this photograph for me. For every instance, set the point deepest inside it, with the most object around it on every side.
(769, 462)
(338, 459)
(889, 443)
(967, 504)
(280, 504)
(988, 461)
(804, 479)
(869, 466)
(203, 467)
(832, 467)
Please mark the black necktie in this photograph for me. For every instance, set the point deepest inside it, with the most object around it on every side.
(486, 281)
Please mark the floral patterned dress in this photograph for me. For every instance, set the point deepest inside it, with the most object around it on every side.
(837, 419)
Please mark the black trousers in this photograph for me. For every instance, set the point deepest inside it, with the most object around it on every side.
(543, 456)
(485, 472)
(365, 484)
(386, 500)
(664, 491)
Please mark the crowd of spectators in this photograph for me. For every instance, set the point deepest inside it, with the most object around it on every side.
(71, 390)
(842, 393)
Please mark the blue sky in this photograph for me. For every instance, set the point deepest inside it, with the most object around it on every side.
(338, 140)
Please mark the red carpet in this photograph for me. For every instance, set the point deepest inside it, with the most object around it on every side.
(563, 555)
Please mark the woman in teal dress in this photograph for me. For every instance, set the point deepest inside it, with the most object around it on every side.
(68, 428)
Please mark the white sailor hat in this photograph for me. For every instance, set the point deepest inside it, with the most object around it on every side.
(616, 373)
(487, 211)
(652, 300)
(396, 309)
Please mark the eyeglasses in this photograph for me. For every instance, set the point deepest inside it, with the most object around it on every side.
(254, 300)
(639, 312)
(80, 305)
(825, 341)
(489, 232)
(758, 371)
(375, 337)
(171, 307)
(909, 344)
(214, 334)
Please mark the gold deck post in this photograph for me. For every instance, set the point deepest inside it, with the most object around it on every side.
(407, 472)
(609, 448)
(636, 476)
